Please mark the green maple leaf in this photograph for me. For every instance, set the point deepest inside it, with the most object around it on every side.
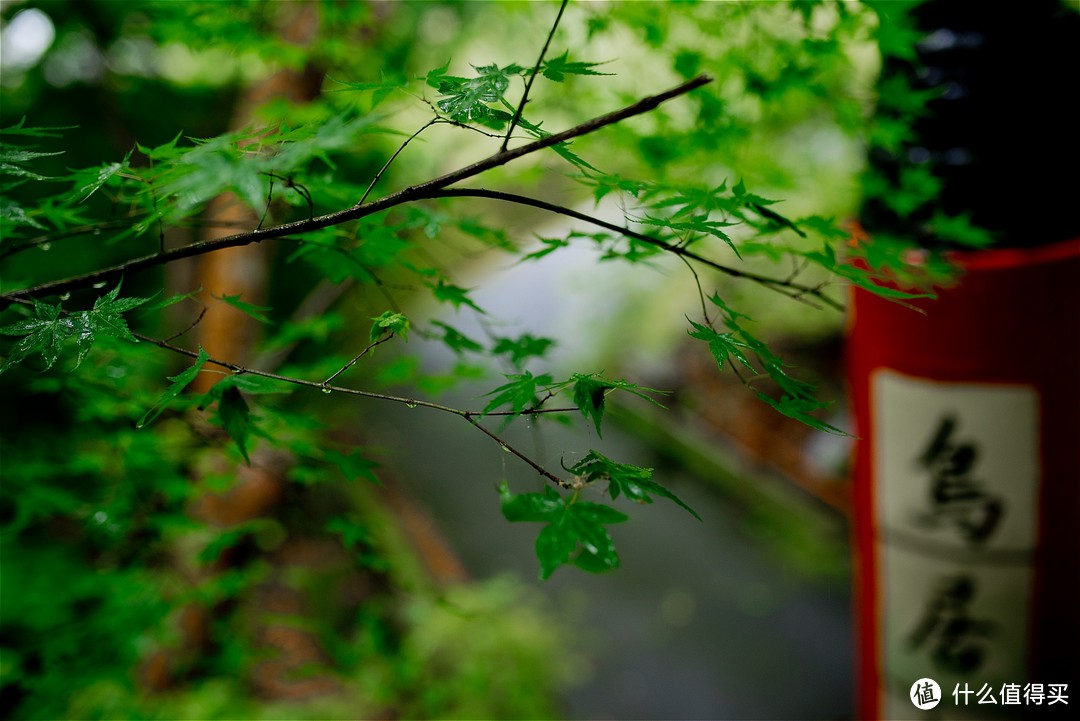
(590, 392)
(695, 224)
(574, 532)
(467, 99)
(180, 381)
(520, 392)
(50, 328)
(235, 417)
(521, 348)
(691, 200)
(448, 293)
(722, 345)
(558, 68)
(89, 180)
(389, 322)
(457, 341)
(797, 399)
(634, 482)
(233, 412)
(45, 333)
(563, 148)
(258, 312)
(353, 466)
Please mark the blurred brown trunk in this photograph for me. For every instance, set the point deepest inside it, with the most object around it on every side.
(228, 333)
(292, 665)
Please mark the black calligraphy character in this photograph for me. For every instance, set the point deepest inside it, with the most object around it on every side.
(955, 640)
(954, 493)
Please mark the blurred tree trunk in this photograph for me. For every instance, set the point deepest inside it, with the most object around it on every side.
(258, 490)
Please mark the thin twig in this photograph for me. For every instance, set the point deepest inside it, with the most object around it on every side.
(319, 300)
(359, 355)
(471, 416)
(427, 189)
(700, 292)
(509, 448)
(397, 152)
(194, 323)
(411, 402)
(70, 233)
(532, 77)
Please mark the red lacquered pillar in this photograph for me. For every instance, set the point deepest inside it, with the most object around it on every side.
(967, 488)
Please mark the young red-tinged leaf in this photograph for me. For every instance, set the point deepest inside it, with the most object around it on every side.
(180, 382)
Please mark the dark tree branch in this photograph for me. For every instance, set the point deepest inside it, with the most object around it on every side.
(532, 76)
(416, 192)
(785, 286)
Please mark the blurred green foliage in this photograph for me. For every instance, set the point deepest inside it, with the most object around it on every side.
(109, 460)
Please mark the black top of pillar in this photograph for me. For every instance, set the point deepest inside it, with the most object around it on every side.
(1003, 132)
